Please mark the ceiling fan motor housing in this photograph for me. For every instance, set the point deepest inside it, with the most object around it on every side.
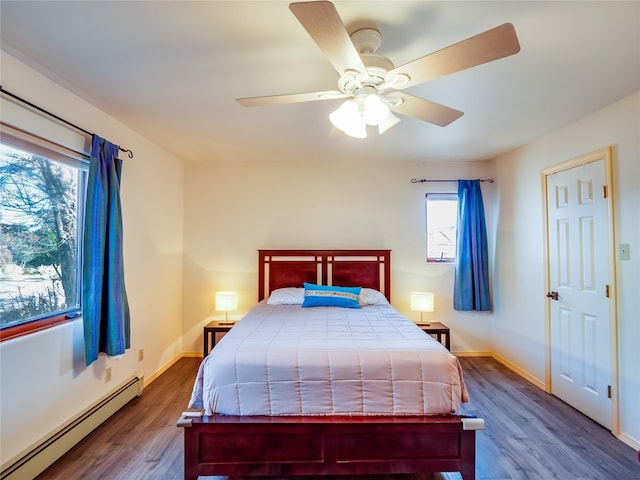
(366, 42)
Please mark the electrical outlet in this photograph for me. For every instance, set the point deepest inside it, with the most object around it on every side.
(624, 251)
(141, 354)
(107, 374)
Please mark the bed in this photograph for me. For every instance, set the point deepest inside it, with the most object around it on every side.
(235, 438)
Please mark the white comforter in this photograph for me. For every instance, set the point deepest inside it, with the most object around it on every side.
(288, 360)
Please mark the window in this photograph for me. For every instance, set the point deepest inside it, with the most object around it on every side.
(41, 210)
(441, 217)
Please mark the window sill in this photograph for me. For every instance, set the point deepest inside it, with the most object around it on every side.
(23, 329)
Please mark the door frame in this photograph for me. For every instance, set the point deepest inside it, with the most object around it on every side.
(606, 155)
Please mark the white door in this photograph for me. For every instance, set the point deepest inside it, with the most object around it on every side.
(579, 256)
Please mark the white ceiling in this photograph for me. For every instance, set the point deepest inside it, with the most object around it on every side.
(171, 70)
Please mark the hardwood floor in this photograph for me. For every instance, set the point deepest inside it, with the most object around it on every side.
(529, 435)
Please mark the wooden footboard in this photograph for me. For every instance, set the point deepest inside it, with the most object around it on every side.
(282, 446)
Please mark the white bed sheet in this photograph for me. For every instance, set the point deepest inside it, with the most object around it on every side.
(288, 360)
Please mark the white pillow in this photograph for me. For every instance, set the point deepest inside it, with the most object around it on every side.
(295, 296)
(369, 296)
(286, 296)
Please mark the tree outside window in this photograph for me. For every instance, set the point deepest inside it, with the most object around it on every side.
(41, 202)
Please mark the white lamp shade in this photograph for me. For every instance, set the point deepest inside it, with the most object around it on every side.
(358, 129)
(344, 116)
(375, 110)
(422, 302)
(226, 301)
(349, 119)
(367, 108)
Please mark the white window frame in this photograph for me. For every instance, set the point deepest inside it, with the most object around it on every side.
(429, 227)
(31, 143)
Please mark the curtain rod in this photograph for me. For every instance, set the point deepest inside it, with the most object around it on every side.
(423, 180)
(60, 119)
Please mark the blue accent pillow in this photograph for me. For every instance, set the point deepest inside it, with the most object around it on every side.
(330, 296)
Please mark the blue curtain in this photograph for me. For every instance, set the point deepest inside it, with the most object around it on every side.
(105, 305)
(471, 283)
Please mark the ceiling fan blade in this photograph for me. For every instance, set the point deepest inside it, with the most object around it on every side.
(324, 25)
(499, 42)
(425, 110)
(290, 98)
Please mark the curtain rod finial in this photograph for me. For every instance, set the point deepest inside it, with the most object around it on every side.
(128, 152)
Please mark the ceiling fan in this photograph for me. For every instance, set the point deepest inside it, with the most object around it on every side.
(370, 82)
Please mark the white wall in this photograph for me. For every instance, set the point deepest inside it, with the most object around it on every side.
(44, 380)
(234, 209)
(518, 321)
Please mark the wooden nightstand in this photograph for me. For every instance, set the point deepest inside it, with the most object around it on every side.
(438, 329)
(210, 330)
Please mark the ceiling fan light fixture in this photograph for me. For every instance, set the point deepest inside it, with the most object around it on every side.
(358, 129)
(367, 108)
(348, 118)
(375, 110)
(344, 115)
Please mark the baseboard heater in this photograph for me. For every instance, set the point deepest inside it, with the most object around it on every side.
(38, 459)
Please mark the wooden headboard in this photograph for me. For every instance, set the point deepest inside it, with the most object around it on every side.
(347, 268)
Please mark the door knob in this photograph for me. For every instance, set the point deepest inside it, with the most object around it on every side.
(552, 295)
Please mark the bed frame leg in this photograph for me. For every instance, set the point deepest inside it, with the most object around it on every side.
(468, 473)
(190, 448)
(190, 467)
(468, 467)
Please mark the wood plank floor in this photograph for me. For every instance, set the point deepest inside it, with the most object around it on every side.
(529, 435)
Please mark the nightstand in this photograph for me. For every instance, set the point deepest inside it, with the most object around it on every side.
(438, 329)
(210, 330)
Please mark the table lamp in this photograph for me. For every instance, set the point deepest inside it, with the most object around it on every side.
(226, 302)
(421, 302)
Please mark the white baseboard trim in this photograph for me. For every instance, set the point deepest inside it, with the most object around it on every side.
(192, 354)
(44, 453)
(530, 378)
(169, 364)
(632, 442)
(473, 354)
